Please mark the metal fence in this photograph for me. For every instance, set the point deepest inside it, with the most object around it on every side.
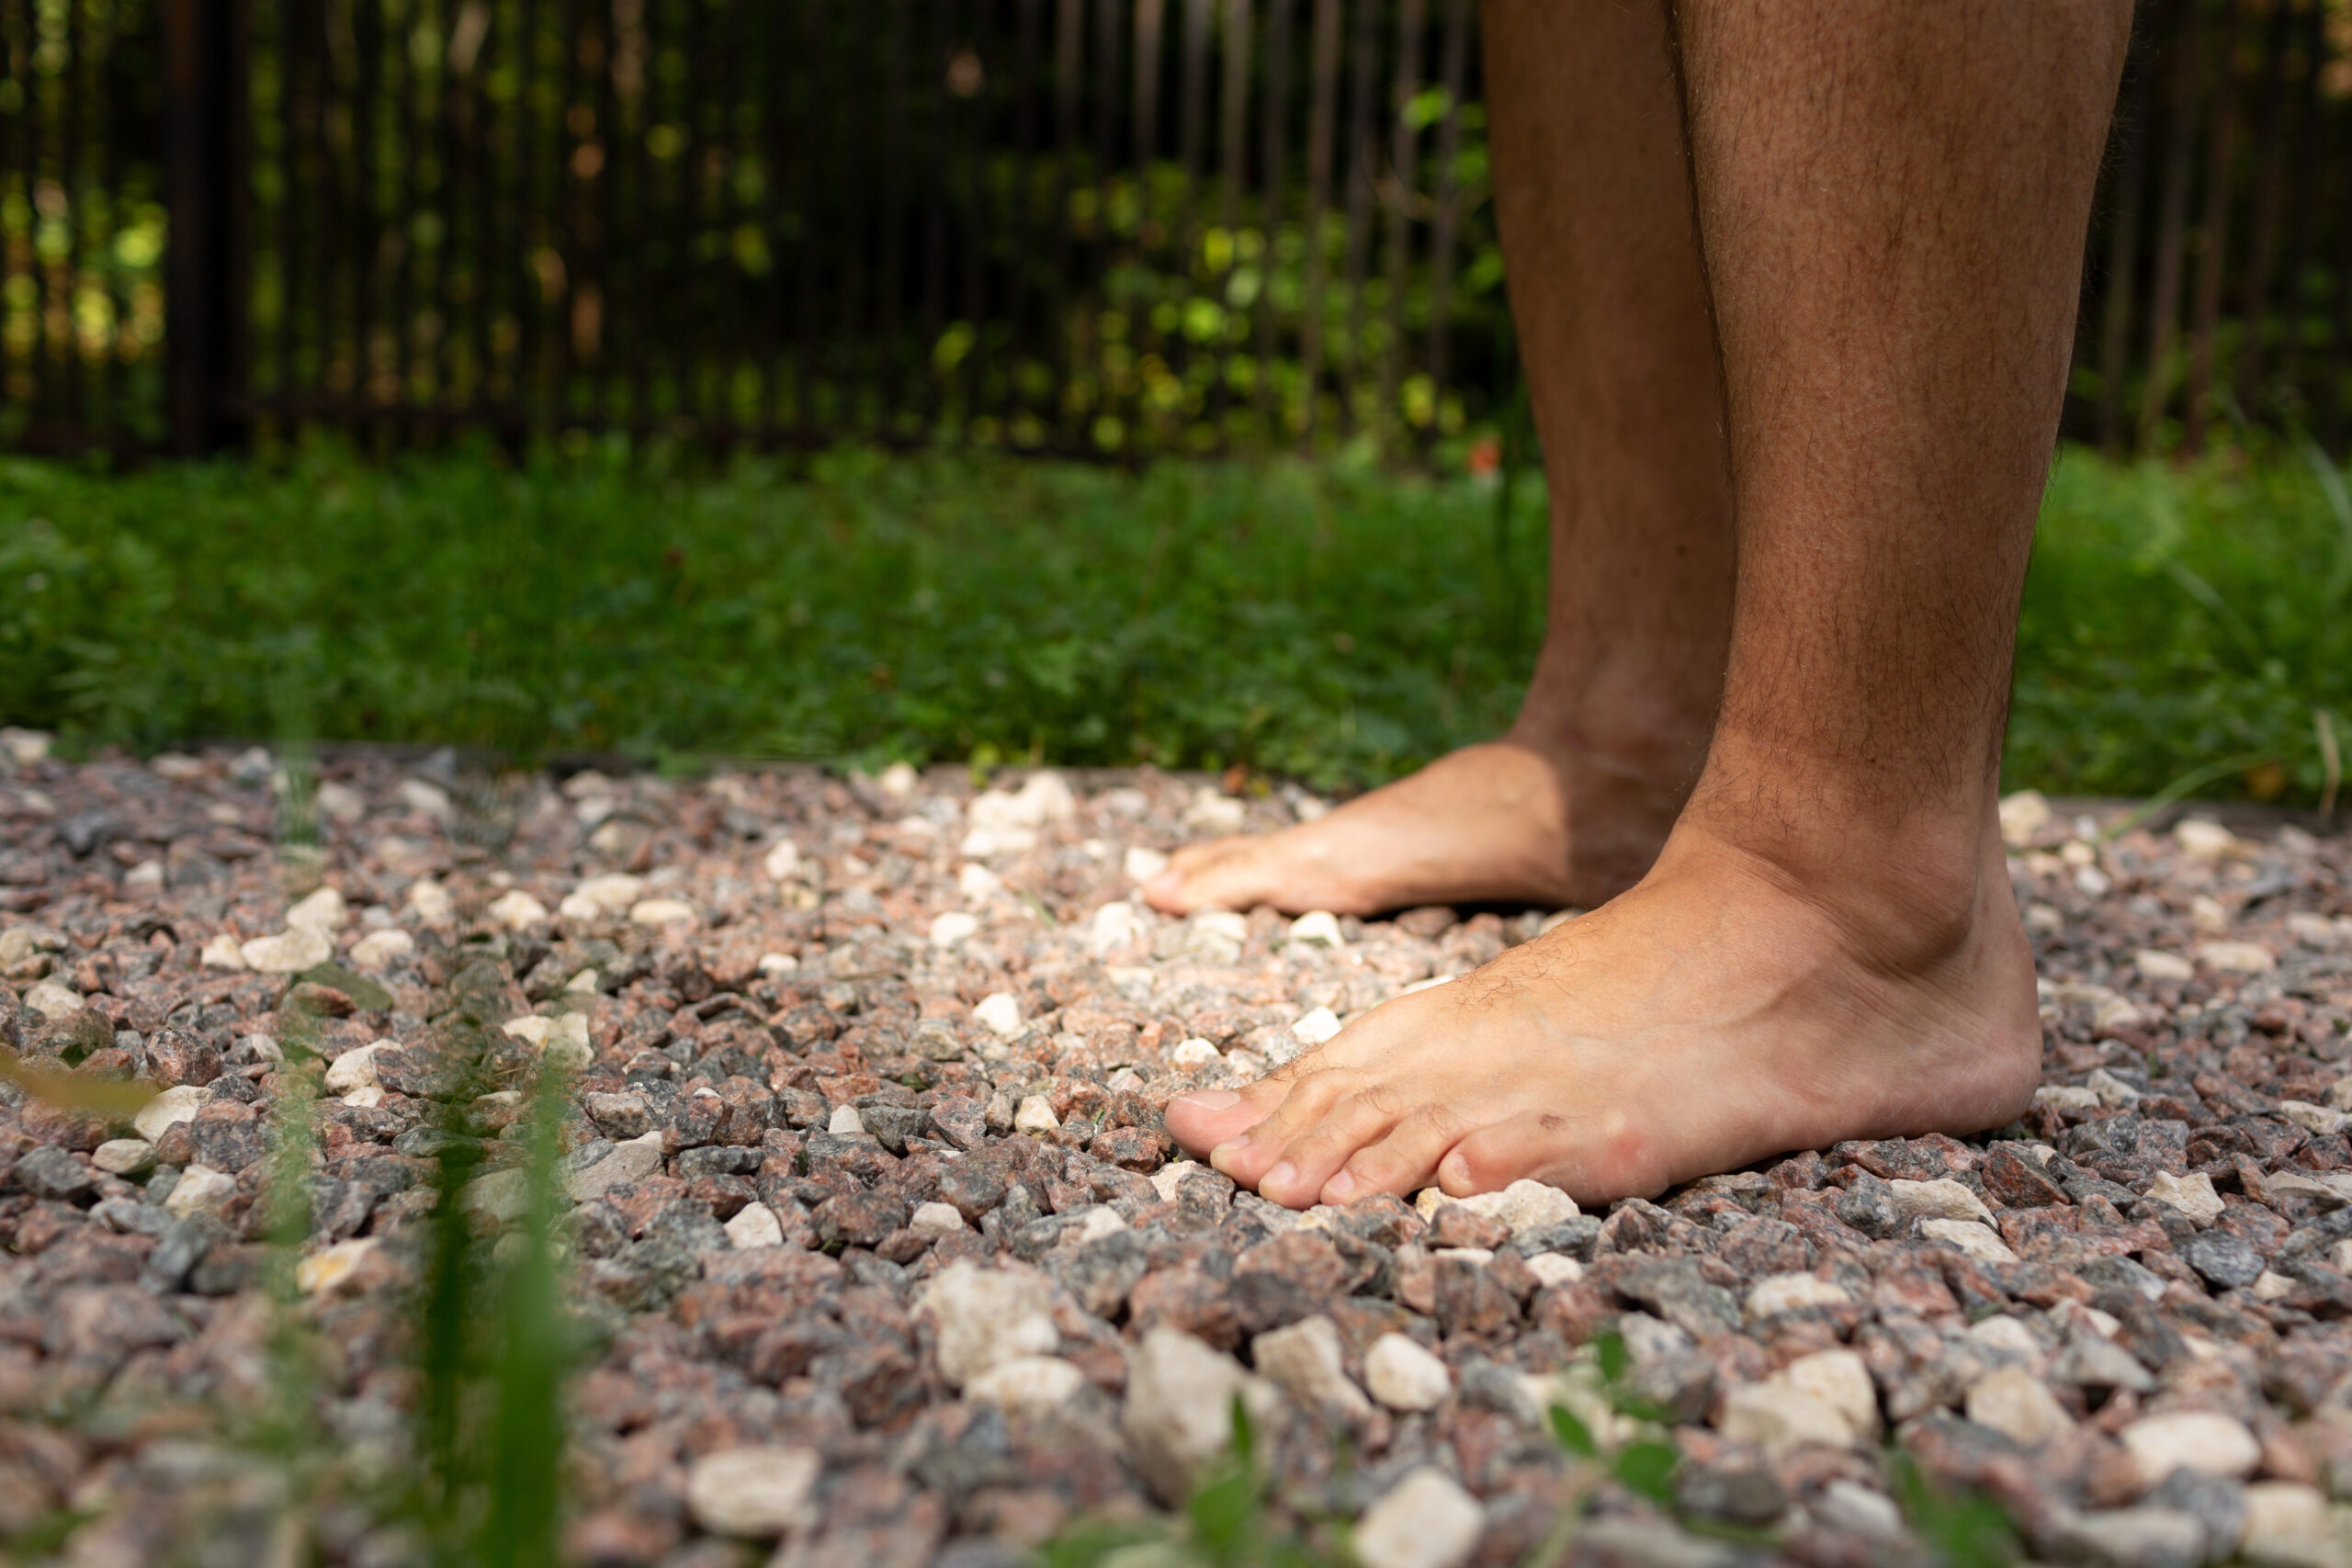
(1108, 226)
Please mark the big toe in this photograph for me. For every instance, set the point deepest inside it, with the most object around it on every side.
(1200, 876)
(1204, 1119)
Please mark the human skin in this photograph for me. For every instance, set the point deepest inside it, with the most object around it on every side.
(1889, 207)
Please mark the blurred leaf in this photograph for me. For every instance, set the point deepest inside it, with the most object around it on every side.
(114, 1098)
(1572, 1434)
(1647, 1470)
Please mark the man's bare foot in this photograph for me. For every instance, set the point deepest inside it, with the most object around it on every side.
(1506, 822)
(1716, 1014)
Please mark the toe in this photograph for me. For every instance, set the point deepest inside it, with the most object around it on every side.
(1403, 1162)
(1191, 879)
(1586, 1157)
(1316, 1156)
(1310, 1097)
(1206, 1118)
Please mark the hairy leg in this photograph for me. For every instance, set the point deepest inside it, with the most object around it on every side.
(1893, 202)
(1572, 804)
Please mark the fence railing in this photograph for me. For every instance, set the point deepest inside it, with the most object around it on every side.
(1107, 226)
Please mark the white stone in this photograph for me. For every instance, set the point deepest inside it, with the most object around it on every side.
(899, 780)
(2202, 1440)
(2143, 1536)
(1303, 1360)
(2314, 930)
(1170, 1176)
(175, 1105)
(354, 1068)
(935, 1219)
(2111, 1089)
(630, 1161)
(2003, 1332)
(782, 862)
(201, 1192)
(2237, 957)
(143, 880)
(1776, 1419)
(1035, 1115)
(322, 913)
(660, 912)
(1216, 935)
(2023, 814)
(381, 950)
(1115, 926)
(2201, 838)
(1554, 1268)
(1524, 1205)
(1426, 1521)
(1851, 1505)
(1777, 1294)
(2285, 1511)
(1318, 925)
(340, 803)
(2270, 1287)
(288, 952)
(772, 964)
(1315, 1028)
(2206, 914)
(952, 928)
(326, 1269)
(846, 1122)
(2065, 1097)
(978, 884)
(518, 910)
(124, 1157)
(2012, 1400)
(1195, 1053)
(1030, 1386)
(1142, 864)
(2192, 1195)
(1840, 1379)
(430, 902)
(223, 952)
(501, 1195)
(2317, 1119)
(987, 1316)
(1212, 812)
(754, 1224)
(24, 747)
(2163, 967)
(1976, 1240)
(999, 1014)
(2339, 1095)
(429, 799)
(611, 894)
(365, 1098)
(1177, 1415)
(755, 1494)
(1403, 1376)
(51, 1000)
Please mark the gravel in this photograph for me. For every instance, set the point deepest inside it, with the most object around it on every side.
(889, 1257)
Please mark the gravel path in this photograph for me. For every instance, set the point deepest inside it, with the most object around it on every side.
(878, 1225)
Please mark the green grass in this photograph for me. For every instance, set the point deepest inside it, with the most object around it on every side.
(1336, 623)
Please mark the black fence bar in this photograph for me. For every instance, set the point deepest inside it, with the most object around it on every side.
(1113, 227)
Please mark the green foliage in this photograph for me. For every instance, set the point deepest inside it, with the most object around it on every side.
(1970, 1530)
(1334, 622)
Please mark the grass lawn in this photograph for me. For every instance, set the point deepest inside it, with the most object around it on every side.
(1336, 623)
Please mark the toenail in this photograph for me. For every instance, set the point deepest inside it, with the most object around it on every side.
(1340, 1186)
(1282, 1174)
(1209, 1099)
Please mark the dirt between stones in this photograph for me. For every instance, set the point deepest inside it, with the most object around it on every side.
(875, 1212)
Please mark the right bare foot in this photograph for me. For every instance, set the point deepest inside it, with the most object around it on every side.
(1508, 821)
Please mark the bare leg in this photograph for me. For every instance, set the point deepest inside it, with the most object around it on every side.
(1571, 806)
(1893, 202)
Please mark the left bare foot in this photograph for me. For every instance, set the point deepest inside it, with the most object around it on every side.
(1714, 1015)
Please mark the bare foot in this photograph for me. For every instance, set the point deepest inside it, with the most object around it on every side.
(1506, 822)
(1715, 1015)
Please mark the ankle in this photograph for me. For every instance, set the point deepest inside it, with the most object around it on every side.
(1908, 897)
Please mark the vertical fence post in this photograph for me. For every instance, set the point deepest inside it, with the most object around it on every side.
(200, 315)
